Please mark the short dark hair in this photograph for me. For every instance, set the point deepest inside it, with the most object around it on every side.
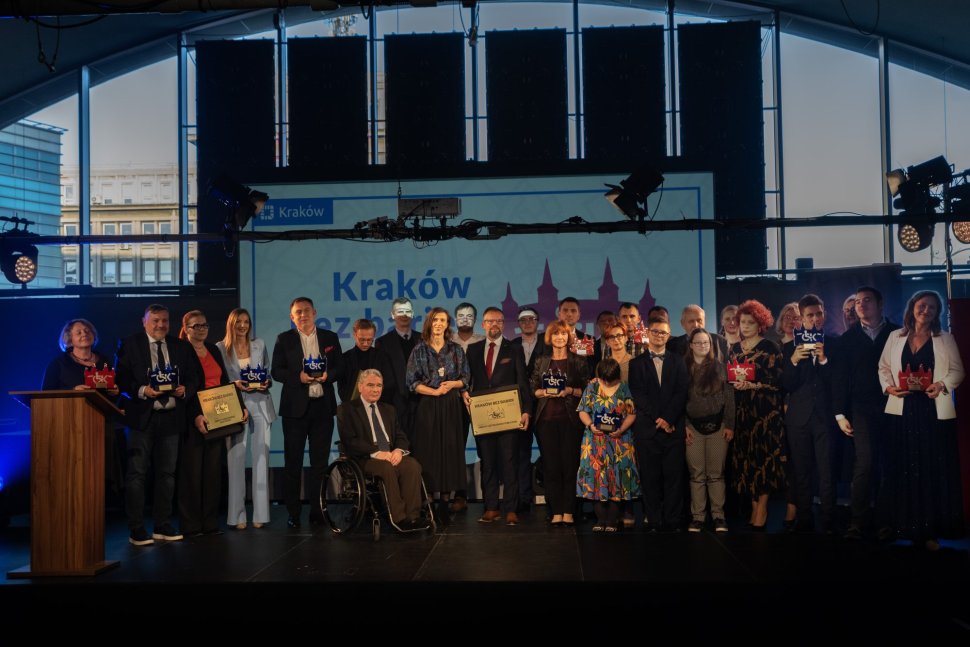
(605, 312)
(608, 370)
(626, 305)
(364, 324)
(492, 309)
(569, 300)
(154, 308)
(298, 299)
(657, 318)
(658, 311)
(810, 300)
(465, 304)
(868, 288)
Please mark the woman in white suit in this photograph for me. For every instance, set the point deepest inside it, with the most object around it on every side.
(920, 494)
(241, 351)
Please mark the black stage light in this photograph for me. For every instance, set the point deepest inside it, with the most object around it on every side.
(911, 189)
(960, 205)
(630, 198)
(18, 258)
(239, 203)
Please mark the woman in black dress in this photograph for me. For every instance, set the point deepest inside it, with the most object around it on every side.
(920, 496)
(438, 372)
(77, 341)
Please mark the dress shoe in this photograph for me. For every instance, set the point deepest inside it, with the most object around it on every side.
(762, 528)
(650, 527)
(490, 516)
(292, 522)
(789, 525)
(460, 504)
(511, 519)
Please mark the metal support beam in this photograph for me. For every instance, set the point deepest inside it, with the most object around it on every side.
(84, 171)
(779, 141)
(672, 85)
(182, 80)
(577, 82)
(282, 119)
(888, 251)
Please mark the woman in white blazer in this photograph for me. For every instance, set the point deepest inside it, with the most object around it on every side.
(920, 497)
(241, 351)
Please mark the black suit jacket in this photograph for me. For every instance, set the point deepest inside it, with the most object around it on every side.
(354, 429)
(653, 400)
(509, 369)
(132, 365)
(356, 360)
(398, 351)
(855, 386)
(809, 384)
(288, 364)
(539, 349)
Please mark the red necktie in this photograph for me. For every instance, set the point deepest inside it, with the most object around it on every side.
(488, 359)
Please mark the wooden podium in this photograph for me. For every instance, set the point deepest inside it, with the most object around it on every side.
(66, 482)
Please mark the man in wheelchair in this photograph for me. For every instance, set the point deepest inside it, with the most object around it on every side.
(372, 436)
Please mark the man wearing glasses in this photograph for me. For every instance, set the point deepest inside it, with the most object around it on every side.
(658, 382)
(533, 346)
(496, 362)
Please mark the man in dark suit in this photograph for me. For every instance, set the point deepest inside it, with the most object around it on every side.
(155, 419)
(658, 383)
(604, 321)
(807, 376)
(496, 362)
(628, 315)
(307, 404)
(371, 435)
(533, 345)
(692, 318)
(397, 344)
(363, 356)
(858, 400)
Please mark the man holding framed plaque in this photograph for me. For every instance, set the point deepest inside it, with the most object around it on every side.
(498, 367)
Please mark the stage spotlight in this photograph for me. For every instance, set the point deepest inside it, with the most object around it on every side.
(18, 258)
(960, 206)
(240, 204)
(911, 188)
(630, 197)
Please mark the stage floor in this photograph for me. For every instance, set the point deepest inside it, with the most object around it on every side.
(541, 566)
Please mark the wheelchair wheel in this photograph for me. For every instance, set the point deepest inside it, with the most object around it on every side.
(343, 496)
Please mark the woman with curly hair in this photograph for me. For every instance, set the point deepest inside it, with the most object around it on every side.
(607, 461)
(758, 457)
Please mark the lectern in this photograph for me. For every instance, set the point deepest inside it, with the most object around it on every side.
(66, 482)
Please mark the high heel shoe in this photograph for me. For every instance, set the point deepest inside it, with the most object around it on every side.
(761, 528)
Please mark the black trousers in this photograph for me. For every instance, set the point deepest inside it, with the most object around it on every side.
(866, 427)
(499, 461)
(200, 482)
(559, 443)
(316, 425)
(662, 458)
(523, 464)
(810, 446)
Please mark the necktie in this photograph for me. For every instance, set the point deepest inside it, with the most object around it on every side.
(162, 399)
(659, 356)
(382, 443)
(488, 359)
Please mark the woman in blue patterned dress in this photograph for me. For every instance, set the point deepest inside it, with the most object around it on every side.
(607, 464)
(438, 372)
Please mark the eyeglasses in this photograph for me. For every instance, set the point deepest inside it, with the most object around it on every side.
(617, 336)
(493, 322)
(201, 326)
(527, 319)
(700, 344)
(659, 333)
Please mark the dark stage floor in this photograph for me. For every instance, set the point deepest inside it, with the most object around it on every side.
(532, 566)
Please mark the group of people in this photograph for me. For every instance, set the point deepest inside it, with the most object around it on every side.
(633, 414)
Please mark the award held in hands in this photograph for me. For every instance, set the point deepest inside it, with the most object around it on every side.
(553, 382)
(608, 421)
(164, 379)
(223, 410)
(915, 380)
(495, 410)
(808, 337)
(740, 371)
(315, 366)
(100, 378)
(253, 377)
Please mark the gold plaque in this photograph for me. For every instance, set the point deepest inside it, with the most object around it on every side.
(495, 410)
(222, 408)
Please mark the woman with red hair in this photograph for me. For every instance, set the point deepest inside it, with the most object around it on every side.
(757, 456)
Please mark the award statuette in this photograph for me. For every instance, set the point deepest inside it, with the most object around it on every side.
(740, 371)
(164, 379)
(915, 380)
(640, 335)
(253, 377)
(608, 421)
(99, 378)
(315, 366)
(223, 410)
(553, 382)
(808, 337)
(583, 347)
(495, 410)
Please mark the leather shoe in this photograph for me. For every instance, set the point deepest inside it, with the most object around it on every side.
(490, 516)
(650, 527)
(460, 504)
(292, 522)
(511, 519)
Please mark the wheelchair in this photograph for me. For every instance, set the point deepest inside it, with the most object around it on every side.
(347, 495)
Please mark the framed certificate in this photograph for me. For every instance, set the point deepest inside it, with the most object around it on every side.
(223, 410)
(495, 410)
